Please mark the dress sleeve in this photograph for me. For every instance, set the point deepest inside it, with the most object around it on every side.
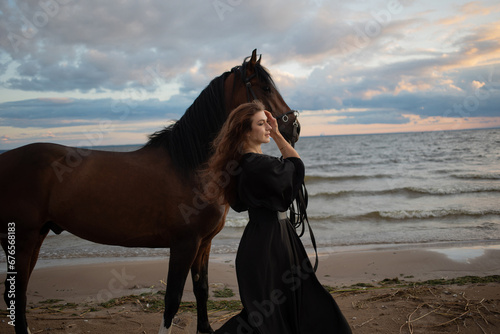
(269, 182)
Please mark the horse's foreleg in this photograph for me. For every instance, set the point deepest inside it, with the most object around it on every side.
(164, 329)
(199, 273)
(181, 259)
(19, 268)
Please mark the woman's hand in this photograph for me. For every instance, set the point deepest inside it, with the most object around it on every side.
(274, 132)
(285, 148)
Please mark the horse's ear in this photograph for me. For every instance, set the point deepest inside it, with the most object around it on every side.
(253, 59)
(258, 61)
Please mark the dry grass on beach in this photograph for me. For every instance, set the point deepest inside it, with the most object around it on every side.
(464, 305)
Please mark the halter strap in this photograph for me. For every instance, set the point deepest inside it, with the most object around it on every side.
(248, 85)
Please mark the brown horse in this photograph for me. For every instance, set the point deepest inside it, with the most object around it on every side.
(145, 198)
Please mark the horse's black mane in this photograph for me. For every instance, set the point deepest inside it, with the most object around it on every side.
(188, 140)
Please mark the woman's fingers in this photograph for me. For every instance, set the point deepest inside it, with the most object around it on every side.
(270, 119)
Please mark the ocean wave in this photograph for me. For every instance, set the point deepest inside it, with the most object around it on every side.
(455, 190)
(475, 176)
(236, 222)
(438, 213)
(447, 171)
(323, 178)
(407, 191)
(400, 215)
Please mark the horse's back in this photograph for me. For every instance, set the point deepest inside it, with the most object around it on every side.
(25, 165)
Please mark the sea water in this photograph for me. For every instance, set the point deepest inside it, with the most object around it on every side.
(407, 188)
(368, 191)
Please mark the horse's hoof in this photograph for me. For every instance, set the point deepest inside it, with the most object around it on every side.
(163, 329)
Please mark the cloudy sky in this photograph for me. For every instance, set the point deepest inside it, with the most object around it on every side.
(110, 72)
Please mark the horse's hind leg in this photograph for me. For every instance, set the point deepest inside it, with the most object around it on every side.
(199, 273)
(181, 257)
(19, 269)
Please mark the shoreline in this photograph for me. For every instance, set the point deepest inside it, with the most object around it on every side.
(75, 280)
(458, 250)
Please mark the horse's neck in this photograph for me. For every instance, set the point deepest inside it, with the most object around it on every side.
(193, 133)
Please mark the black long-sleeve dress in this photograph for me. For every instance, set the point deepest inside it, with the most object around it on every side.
(278, 288)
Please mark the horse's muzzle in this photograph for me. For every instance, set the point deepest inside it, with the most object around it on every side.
(290, 126)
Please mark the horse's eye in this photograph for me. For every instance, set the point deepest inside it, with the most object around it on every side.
(266, 89)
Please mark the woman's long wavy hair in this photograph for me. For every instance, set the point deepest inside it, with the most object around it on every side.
(219, 174)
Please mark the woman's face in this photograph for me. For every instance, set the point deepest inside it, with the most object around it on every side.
(260, 133)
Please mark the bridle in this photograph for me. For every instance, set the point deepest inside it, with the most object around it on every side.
(295, 131)
(298, 213)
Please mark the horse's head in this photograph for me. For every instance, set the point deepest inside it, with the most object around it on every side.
(251, 81)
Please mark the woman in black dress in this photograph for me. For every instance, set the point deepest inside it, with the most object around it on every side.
(278, 288)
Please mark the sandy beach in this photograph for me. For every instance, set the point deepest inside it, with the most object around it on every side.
(379, 291)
